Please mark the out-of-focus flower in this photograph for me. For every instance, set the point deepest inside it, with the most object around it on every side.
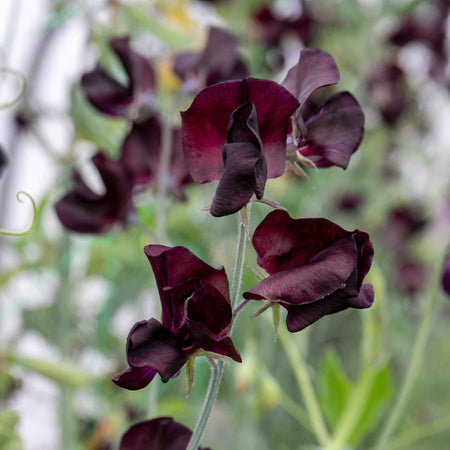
(387, 86)
(446, 276)
(411, 275)
(196, 316)
(349, 201)
(315, 267)
(141, 156)
(162, 433)
(110, 96)
(3, 160)
(219, 61)
(331, 134)
(85, 211)
(224, 131)
(272, 28)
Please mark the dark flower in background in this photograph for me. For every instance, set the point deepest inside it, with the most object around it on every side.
(271, 29)
(331, 134)
(223, 116)
(85, 211)
(411, 275)
(3, 160)
(219, 61)
(196, 315)
(141, 156)
(162, 433)
(315, 267)
(446, 276)
(111, 97)
(387, 86)
(349, 201)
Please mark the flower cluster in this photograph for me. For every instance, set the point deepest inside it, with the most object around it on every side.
(85, 211)
(196, 318)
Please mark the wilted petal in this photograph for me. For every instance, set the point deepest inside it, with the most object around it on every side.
(151, 345)
(205, 125)
(334, 132)
(315, 69)
(327, 272)
(282, 242)
(135, 378)
(162, 433)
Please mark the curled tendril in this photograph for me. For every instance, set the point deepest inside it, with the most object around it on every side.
(21, 233)
(22, 87)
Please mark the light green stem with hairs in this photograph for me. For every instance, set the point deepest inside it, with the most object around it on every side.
(28, 229)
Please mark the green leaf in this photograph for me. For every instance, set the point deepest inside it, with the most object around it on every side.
(9, 440)
(334, 387)
(105, 132)
(377, 400)
(190, 371)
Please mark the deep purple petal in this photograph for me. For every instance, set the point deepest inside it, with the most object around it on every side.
(446, 277)
(141, 149)
(364, 299)
(245, 166)
(105, 93)
(299, 317)
(85, 211)
(138, 68)
(205, 125)
(282, 243)
(209, 312)
(327, 272)
(151, 345)
(315, 69)
(135, 378)
(162, 433)
(174, 267)
(366, 252)
(334, 132)
(223, 347)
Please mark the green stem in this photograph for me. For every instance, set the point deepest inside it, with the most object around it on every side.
(295, 410)
(306, 388)
(217, 372)
(415, 363)
(420, 432)
(22, 87)
(28, 229)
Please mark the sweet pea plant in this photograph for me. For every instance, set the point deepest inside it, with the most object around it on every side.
(221, 124)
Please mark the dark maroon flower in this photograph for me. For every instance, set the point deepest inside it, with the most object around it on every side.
(85, 211)
(446, 276)
(3, 160)
(387, 85)
(162, 433)
(196, 315)
(411, 275)
(272, 28)
(110, 96)
(334, 131)
(349, 201)
(219, 61)
(315, 267)
(224, 131)
(141, 156)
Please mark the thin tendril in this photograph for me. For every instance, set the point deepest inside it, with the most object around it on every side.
(21, 233)
(22, 87)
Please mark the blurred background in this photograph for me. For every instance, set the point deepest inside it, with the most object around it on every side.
(68, 300)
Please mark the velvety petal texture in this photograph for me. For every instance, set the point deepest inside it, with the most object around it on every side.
(245, 168)
(110, 96)
(196, 315)
(219, 60)
(162, 433)
(85, 211)
(334, 132)
(315, 266)
(141, 156)
(205, 125)
(315, 69)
